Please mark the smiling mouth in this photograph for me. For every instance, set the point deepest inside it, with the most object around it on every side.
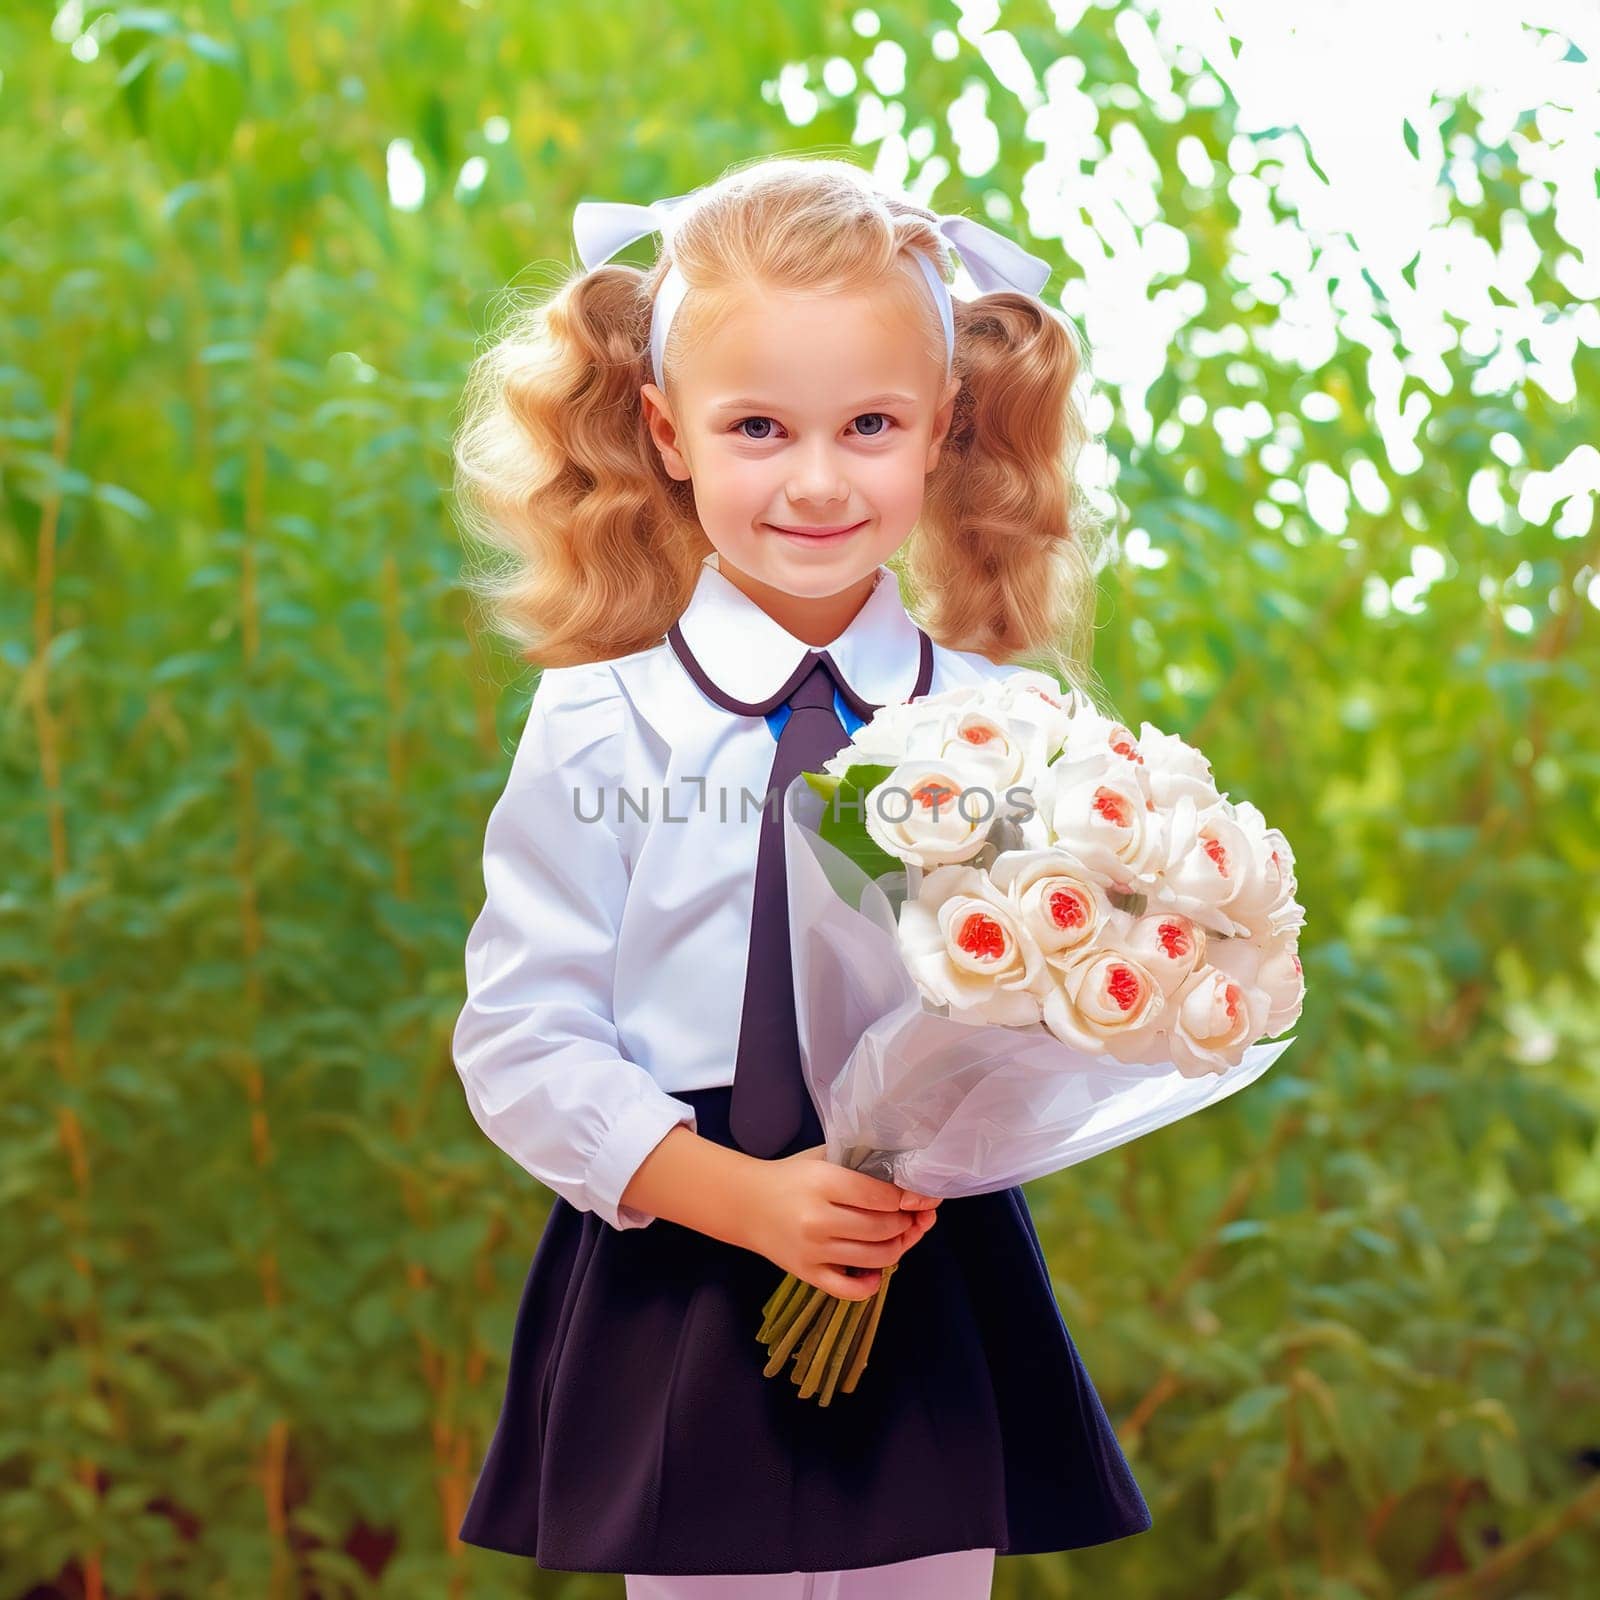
(818, 533)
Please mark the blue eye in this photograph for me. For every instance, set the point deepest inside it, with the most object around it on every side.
(887, 421)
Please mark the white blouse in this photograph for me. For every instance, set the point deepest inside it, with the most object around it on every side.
(606, 969)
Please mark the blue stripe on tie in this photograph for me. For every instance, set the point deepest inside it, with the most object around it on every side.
(848, 719)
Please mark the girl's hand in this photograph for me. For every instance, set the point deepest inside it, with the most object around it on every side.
(813, 1218)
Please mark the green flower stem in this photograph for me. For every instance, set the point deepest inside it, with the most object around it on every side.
(797, 1326)
(829, 1338)
(778, 1295)
(813, 1338)
(791, 1309)
(781, 1307)
(868, 1329)
(819, 1359)
(842, 1347)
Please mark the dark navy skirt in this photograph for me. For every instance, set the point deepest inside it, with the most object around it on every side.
(638, 1433)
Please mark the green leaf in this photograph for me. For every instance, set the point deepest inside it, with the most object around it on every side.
(1252, 1408)
(843, 822)
(1505, 1466)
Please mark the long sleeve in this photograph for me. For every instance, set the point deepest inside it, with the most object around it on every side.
(536, 1044)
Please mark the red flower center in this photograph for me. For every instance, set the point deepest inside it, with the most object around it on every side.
(1066, 909)
(1122, 984)
(982, 937)
(1110, 805)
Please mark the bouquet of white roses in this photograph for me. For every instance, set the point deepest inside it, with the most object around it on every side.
(1022, 935)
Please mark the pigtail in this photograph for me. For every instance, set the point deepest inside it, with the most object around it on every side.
(1007, 551)
(586, 548)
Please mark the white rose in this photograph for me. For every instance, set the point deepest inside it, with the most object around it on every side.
(932, 813)
(1213, 1019)
(1274, 880)
(1009, 752)
(917, 730)
(1092, 737)
(1025, 685)
(1231, 875)
(1196, 879)
(1056, 899)
(1283, 980)
(1104, 1002)
(965, 949)
(880, 741)
(1271, 965)
(1286, 920)
(1168, 945)
(1034, 701)
(1104, 819)
(1173, 768)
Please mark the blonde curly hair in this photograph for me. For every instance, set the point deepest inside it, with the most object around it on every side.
(595, 549)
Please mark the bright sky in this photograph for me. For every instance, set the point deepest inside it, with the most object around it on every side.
(1349, 74)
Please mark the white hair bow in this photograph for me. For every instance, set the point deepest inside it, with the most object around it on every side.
(601, 228)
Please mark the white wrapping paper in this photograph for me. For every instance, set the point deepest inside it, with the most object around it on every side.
(940, 1106)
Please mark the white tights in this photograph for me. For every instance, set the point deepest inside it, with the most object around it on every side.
(958, 1575)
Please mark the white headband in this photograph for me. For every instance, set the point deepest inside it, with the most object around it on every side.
(603, 227)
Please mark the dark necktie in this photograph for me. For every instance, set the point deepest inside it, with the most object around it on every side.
(771, 1113)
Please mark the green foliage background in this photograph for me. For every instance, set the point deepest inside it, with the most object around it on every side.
(260, 1265)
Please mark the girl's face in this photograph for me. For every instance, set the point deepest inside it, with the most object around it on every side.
(799, 415)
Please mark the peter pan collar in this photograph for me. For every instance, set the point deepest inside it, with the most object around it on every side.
(747, 662)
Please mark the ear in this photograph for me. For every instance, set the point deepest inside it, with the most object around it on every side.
(663, 430)
(941, 419)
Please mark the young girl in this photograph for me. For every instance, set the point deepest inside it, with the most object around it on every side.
(710, 478)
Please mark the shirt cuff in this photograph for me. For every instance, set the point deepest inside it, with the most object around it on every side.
(639, 1129)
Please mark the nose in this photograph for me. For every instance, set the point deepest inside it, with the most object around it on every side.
(816, 479)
